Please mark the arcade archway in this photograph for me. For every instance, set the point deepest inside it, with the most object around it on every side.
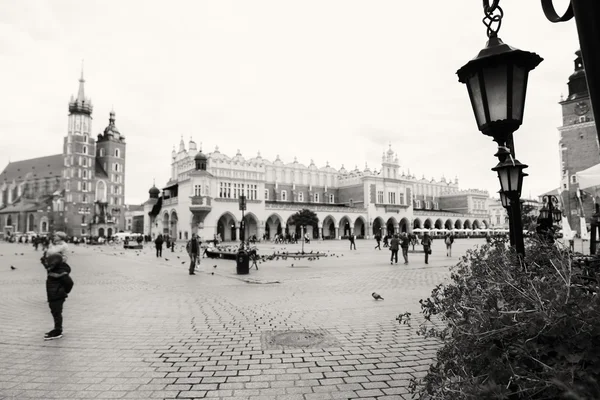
(226, 227)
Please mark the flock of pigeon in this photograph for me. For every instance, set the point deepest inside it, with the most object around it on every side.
(276, 256)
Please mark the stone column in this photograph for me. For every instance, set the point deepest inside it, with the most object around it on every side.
(320, 232)
(337, 233)
(397, 228)
(237, 233)
(351, 231)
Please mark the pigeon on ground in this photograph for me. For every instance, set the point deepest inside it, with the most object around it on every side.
(212, 273)
(376, 296)
(183, 262)
(13, 268)
(214, 266)
(292, 265)
(166, 259)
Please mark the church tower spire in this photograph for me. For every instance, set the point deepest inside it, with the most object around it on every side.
(81, 104)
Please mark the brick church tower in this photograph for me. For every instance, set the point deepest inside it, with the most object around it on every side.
(579, 147)
(79, 165)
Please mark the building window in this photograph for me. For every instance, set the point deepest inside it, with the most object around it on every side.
(84, 149)
(331, 199)
(116, 167)
(316, 197)
(392, 198)
(300, 196)
(427, 205)
(84, 198)
(402, 198)
(197, 190)
(102, 155)
(117, 153)
(85, 175)
(380, 196)
(283, 195)
(67, 186)
(417, 203)
(84, 186)
(85, 139)
(266, 194)
(574, 179)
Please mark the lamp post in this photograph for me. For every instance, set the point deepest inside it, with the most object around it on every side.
(496, 81)
(587, 18)
(506, 204)
(550, 214)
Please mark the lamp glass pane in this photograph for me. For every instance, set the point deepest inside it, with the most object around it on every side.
(496, 89)
(477, 100)
(515, 176)
(518, 94)
(504, 179)
(544, 213)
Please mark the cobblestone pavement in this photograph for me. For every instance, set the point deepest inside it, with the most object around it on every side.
(141, 327)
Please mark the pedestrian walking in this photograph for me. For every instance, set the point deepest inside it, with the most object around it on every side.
(449, 239)
(426, 242)
(386, 239)
(378, 240)
(158, 242)
(58, 286)
(352, 241)
(404, 244)
(394, 246)
(193, 250)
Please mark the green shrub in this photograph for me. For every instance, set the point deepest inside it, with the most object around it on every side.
(513, 329)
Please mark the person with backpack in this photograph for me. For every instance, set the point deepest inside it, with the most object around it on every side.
(449, 239)
(193, 250)
(58, 287)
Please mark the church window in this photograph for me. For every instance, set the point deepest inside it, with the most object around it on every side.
(266, 194)
(300, 196)
(117, 153)
(85, 139)
(84, 198)
(79, 160)
(79, 186)
(67, 186)
(84, 186)
(102, 155)
(85, 174)
(316, 197)
(284, 195)
(84, 149)
(82, 219)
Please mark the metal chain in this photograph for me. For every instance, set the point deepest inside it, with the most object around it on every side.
(491, 17)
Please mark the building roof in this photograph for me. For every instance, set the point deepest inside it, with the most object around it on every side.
(100, 172)
(40, 168)
(134, 207)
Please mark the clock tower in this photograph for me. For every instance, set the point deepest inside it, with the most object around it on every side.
(579, 147)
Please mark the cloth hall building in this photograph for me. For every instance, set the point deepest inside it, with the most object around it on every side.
(202, 194)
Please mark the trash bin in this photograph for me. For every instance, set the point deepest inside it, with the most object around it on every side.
(243, 262)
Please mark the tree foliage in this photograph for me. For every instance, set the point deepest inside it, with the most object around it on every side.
(304, 217)
(529, 217)
(514, 329)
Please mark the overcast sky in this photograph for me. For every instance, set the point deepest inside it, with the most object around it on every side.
(329, 80)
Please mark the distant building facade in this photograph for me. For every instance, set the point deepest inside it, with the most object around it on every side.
(579, 148)
(131, 212)
(80, 191)
(202, 197)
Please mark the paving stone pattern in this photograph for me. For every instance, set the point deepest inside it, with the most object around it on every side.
(138, 327)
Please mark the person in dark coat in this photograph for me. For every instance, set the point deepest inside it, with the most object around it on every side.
(193, 249)
(394, 246)
(378, 240)
(352, 238)
(426, 242)
(58, 286)
(405, 242)
(159, 243)
(449, 239)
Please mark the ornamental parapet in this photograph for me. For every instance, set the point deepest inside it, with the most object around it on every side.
(224, 200)
(433, 213)
(313, 207)
(170, 201)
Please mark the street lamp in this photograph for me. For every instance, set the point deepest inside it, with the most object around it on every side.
(550, 214)
(497, 84)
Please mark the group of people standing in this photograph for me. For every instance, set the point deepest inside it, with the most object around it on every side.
(404, 241)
